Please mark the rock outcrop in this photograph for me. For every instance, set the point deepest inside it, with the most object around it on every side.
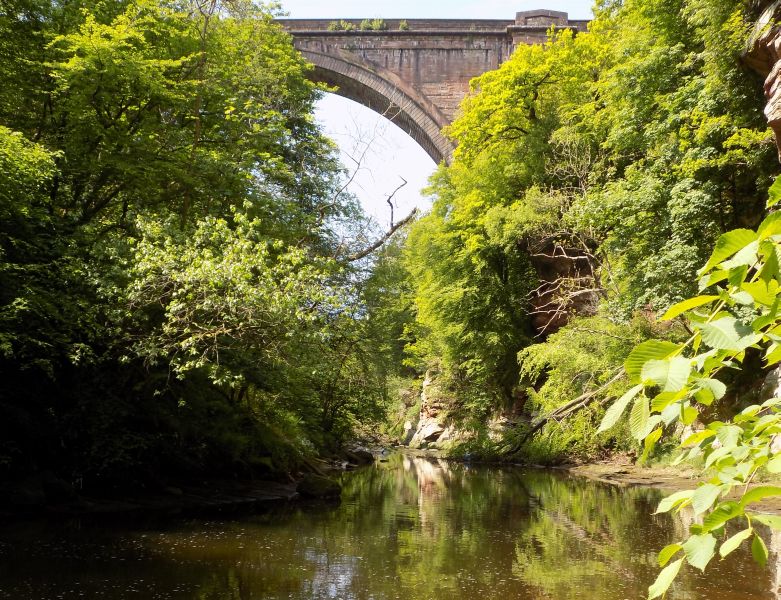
(430, 425)
(763, 54)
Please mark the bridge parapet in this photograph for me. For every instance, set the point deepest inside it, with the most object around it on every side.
(416, 70)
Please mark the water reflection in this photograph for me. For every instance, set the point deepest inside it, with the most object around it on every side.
(410, 528)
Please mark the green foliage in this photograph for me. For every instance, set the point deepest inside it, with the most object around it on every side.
(679, 381)
(173, 297)
(403, 25)
(592, 176)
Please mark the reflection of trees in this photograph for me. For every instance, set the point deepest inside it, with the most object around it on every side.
(590, 540)
(417, 529)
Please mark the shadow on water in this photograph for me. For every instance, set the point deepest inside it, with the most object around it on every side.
(411, 528)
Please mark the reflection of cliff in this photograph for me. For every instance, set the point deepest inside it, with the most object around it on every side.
(774, 545)
(433, 479)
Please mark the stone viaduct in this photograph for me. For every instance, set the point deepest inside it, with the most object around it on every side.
(416, 71)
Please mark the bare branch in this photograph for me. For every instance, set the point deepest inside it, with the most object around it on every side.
(394, 228)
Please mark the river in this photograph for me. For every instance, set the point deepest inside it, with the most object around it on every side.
(410, 528)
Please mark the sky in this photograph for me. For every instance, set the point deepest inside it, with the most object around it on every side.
(379, 154)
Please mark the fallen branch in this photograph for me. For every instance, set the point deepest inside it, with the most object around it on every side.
(566, 410)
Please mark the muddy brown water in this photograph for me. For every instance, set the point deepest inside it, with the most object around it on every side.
(410, 528)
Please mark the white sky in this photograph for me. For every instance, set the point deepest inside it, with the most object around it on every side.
(389, 155)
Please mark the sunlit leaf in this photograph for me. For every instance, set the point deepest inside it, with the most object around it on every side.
(638, 418)
(728, 244)
(721, 514)
(728, 333)
(667, 553)
(613, 414)
(674, 500)
(699, 550)
(664, 579)
(704, 497)
(734, 542)
(671, 374)
(758, 494)
(642, 353)
(682, 307)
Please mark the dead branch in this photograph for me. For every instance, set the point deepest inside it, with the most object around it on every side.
(564, 411)
(386, 236)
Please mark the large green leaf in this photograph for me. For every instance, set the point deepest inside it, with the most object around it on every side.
(667, 553)
(699, 550)
(774, 464)
(759, 493)
(736, 540)
(760, 292)
(714, 386)
(728, 244)
(729, 435)
(613, 414)
(721, 514)
(771, 225)
(704, 497)
(728, 333)
(772, 521)
(664, 579)
(638, 418)
(642, 353)
(671, 374)
(682, 307)
(674, 500)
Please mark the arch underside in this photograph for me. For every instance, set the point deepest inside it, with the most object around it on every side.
(395, 101)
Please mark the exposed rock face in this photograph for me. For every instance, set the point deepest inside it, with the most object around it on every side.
(432, 410)
(763, 54)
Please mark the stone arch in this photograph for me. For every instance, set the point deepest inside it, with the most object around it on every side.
(385, 93)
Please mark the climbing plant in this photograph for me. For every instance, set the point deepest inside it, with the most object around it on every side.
(736, 315)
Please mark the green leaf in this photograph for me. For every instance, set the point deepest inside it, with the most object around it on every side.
(650, 442)
(667, 553)
(698, 437)
(770, 226)
(759, 292)
(759, 493)
(642, 353)
(728, 244)
(690, 415)
(734, 542)
(613, 414)
(704, 497)
(721, 514)
(772, 521)
(728, 333)
(773, 355)
(714, 386)
(774, 464)
(664, 579)
(682, 307)
(674, 500)
(699, 550)
(729, 435)
(774, 193)
(638, 418)
(759, 550)
(671, 374)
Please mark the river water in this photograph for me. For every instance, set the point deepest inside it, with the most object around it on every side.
(410, 528)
